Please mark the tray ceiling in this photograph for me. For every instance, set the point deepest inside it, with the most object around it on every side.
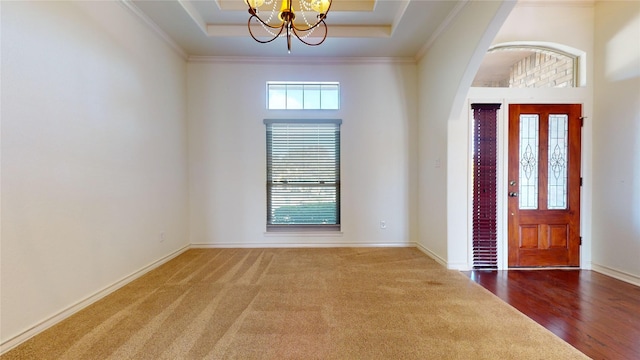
(356, 28)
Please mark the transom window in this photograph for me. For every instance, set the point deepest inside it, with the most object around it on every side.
(529, 66)
(303, 174)
(303, 95)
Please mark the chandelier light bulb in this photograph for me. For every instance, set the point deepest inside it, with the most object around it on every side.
(320, 6)
(254, 4)
(286, 11)
(304, 29)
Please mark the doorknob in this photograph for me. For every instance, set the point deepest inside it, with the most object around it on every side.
(513, 194)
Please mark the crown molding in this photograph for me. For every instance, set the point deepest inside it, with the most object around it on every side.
(300, 60)
(155, 28)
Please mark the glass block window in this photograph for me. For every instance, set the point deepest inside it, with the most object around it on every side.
(303, 95)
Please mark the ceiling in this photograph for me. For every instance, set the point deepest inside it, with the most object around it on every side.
(356, 28)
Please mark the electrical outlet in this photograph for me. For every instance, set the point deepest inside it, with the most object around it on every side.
(383, 224)
(162, 236)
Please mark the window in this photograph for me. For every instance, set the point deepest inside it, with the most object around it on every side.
(526, 66)
(303, 174)
(303, 95)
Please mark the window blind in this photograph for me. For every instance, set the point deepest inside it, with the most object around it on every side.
(303, 174)
(485, 160)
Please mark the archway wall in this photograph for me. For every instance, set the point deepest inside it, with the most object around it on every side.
(444, 76)
(566, 27)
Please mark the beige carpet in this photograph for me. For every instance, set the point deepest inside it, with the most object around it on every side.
(344, 303)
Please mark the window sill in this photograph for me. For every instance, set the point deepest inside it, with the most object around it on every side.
(328, 233)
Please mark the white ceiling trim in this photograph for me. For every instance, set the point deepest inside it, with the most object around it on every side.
(300, 60)
(441, 28)
(352, 5)
(155, 28)
(398, 18)
(193, 14)
(336, 31)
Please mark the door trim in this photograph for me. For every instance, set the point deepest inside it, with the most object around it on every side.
(504, 97)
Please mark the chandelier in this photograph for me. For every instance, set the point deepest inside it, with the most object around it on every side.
(312, 14)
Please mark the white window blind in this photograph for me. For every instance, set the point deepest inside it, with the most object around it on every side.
(303, 174)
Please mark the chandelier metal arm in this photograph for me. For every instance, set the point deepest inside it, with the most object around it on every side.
(320, 21)
(287, 17)
(265, 24)
(301, 38)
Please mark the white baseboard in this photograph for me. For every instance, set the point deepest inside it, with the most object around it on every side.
(62, 315)
(617, 274)
(297, 245)
(47, 323)
(432, 255)
(459, 266)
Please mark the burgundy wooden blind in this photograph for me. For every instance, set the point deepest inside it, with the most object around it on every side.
(485, 244)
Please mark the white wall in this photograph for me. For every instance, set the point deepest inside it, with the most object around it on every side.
(227, 168)
(616, 140)
(445, 73)
(93, 155)
(568, 24)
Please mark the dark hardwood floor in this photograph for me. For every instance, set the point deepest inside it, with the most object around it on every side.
(595, 313)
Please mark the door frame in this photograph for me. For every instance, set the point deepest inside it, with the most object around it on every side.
(502, 180)
(541, 219)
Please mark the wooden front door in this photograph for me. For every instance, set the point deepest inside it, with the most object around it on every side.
(544, 185)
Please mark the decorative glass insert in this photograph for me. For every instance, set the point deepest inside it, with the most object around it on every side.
(303, 95)
(528, 172)
(557, 178)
